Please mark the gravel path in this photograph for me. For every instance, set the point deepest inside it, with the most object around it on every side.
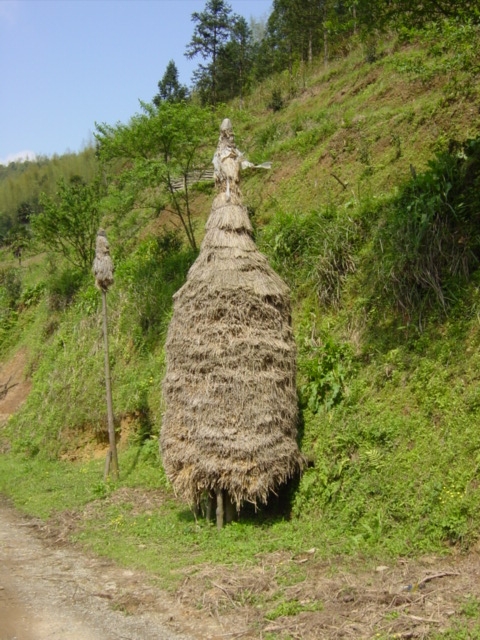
(50, 592)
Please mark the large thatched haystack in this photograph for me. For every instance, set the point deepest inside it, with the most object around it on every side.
(231, 406)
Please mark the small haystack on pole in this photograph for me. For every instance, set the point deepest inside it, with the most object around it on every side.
(103, 271)
(230, 423)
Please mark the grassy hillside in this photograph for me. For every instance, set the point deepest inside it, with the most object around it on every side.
(370, 213)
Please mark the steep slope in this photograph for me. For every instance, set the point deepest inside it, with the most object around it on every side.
(388, 384)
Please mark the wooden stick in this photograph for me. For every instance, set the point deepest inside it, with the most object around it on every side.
(219, 493)
(344, 185)
(108, 383)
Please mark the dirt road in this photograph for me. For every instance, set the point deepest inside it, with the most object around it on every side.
(50, 592)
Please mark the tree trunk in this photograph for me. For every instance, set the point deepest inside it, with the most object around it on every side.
(112, 454)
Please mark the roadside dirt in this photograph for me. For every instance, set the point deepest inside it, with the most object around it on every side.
(53, 590)
(56, 592)
(14, 387)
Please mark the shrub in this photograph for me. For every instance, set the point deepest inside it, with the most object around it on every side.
(151, 276)
(429, 240)
(314, 250)
(276, 101)
(11, 286)
(62, 287)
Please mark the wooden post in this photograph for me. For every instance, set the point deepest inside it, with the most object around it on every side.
(103, 271)
(112, 457)
(219, 494)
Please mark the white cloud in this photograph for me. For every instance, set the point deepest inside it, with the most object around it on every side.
(20, 156)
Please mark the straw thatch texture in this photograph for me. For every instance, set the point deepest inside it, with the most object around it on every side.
(231, 406)
(102, 264)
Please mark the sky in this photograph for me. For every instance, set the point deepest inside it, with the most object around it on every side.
(66, 64)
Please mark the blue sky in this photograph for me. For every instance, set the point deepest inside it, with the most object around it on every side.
(66, 64)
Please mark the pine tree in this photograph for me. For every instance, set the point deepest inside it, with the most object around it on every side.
(169, 87)
(235, 61)
(213, 27)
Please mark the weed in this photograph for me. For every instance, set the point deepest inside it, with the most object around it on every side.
(430, 241)
(276, 100)
(292, 608)
(471, 607)
(325, 367)
(316, 249)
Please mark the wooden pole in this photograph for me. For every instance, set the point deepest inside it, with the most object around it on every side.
(112, 458)
(219, 508)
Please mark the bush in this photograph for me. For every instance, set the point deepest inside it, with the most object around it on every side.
(151, 276)
(62, 288)
(314, 250)
(325, 367)
(429, 240)
(276, 101)
(11, 287)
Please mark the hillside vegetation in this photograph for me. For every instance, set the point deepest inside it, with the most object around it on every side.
(371, 214)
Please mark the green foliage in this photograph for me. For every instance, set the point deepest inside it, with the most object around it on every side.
(314, 250)
(160, 148)
(276, 100)
(429, 240)
(292, 608)
(212, 28)
(62, 286)
(150, 276)
(169, 87)
(11, 286)
(68, 223)
(21, 184)
(325, 366)
(10, 297)
(392, 467)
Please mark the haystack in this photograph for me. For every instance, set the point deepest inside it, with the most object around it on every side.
(230, 422)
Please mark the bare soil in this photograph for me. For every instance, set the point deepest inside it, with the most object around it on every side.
(14, 386)
(52, 591)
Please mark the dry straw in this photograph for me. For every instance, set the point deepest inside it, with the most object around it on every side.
(230, 422)
(102, 264)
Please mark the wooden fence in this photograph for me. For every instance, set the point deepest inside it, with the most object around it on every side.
(205, 175)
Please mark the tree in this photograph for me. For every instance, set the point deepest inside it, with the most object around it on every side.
(169, 87)
(299, 29)
(18, 240)
(161, 147)
(213, 27)
(235, 60)
(69, 221)
(381, 14)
